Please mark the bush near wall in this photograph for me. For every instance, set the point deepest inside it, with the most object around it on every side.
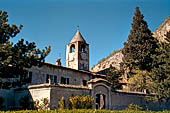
(81, 102)
(83, 111)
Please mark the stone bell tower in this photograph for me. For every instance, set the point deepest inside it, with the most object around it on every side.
(77, 53)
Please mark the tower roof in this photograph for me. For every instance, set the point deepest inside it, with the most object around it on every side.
(78, 37)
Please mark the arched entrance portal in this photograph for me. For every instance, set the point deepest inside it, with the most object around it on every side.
(100, 101)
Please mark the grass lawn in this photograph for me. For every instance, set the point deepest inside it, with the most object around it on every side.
(82, 111)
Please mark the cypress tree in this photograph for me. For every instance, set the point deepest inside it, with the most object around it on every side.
(140, 45)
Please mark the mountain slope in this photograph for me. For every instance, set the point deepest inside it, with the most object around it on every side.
(114, 59)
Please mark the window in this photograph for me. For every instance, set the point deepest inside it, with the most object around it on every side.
(64, 80)
(55, 79)
(52, 78)
(29, 77)
(84, 82)
(47, 78)
(72, 48)
(67, 80)
(83, 49)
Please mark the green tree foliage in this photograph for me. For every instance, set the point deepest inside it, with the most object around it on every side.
(161, 71)
(139, 81)
(113, 76)
(16, 58)
(137, 51)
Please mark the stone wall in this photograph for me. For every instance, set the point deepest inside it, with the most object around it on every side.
(75, 77)
(121, 100)
(66, 92)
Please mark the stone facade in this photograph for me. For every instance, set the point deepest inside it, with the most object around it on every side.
(40, 75)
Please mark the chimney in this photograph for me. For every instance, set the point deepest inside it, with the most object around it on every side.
(58, 62)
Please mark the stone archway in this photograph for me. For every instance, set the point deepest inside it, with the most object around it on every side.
(101, 94)
(100, 88)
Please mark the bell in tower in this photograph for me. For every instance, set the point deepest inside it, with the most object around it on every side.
(77, 53)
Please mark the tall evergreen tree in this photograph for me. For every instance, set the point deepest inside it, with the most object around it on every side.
(161, 71)
(137, 51)
(16, 58)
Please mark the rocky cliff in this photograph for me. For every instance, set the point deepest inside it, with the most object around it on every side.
(116, 57)
(160, 32)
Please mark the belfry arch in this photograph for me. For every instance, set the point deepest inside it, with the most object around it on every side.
(72, 48)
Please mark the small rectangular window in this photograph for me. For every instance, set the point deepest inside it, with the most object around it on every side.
(64, 80)
(47, 78)
(84, 82)
(29, 77)
(67, 82)
(52, 79)
(55, 79)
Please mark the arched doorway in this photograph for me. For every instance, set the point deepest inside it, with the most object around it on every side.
(100, 101)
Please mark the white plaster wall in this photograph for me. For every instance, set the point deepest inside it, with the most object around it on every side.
(40, 93)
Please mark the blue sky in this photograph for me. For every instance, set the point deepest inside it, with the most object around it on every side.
(104, 24)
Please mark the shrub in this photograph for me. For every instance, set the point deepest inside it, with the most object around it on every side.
(134, 107)
(36, 104)
(83, 102)
(61, 103)
(86, 102)
(75, 102)
(43, 105)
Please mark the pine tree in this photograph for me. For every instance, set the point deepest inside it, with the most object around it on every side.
(16, 59)
(137, 51)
